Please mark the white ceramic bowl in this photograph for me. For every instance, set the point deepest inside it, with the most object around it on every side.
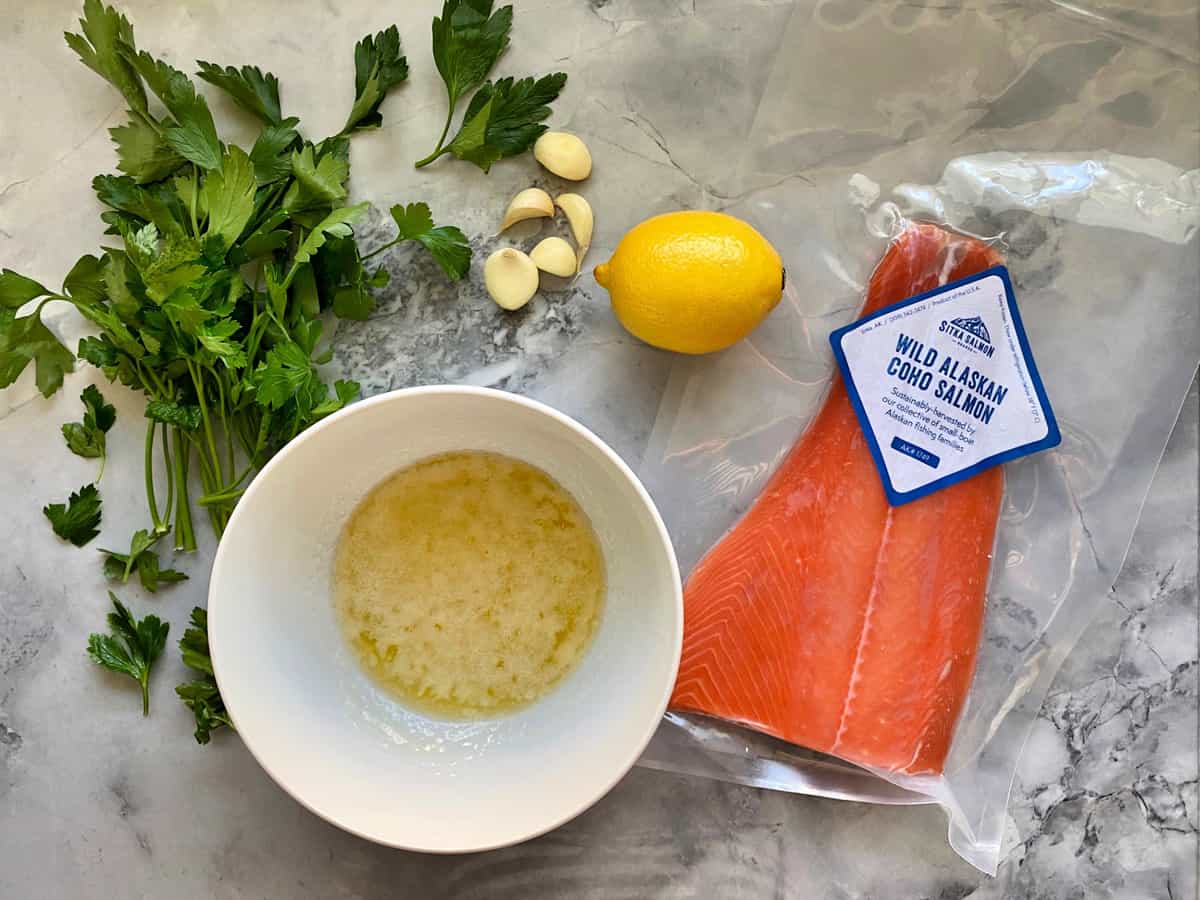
(344, 748)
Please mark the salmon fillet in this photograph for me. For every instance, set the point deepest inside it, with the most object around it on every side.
(827, 617)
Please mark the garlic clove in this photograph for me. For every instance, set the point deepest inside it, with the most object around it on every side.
(510, 277)
(563, 154)
(555, 255)
(579, 216)
(531, 203)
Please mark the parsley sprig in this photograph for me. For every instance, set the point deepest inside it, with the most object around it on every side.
(201, 695)
(87, 438)
(141, 559)
(77, 520)
(132, 647)
(504, 117)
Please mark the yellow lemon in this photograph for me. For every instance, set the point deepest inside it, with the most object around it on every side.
(692, 281)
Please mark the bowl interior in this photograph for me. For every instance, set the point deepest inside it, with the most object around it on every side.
(347, 750)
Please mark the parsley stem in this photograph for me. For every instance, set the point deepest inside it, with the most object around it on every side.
(237, 483)
(147, 374)
(149, 460)
(440, 151)
(223, 411)
(144, 681)
(214, 520)
(379, 250)
(148, 119)
(195, 199)
(166, 453)
(420, 164)
(244, 435)
(184, 537)
(206, 477)
(267, 206)
(198, 381)
(221, 497)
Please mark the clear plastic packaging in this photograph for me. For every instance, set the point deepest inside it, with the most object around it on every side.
(1103, 257)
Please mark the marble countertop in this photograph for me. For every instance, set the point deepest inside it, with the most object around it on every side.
(94, 802)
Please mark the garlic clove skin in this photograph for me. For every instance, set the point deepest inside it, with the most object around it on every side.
(579, 216)
(556, 256)
(563, 154)
(531, 203)
(510, 277)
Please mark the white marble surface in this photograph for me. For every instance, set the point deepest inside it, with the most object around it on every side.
(94, 802)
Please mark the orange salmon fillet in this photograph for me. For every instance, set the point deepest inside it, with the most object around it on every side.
(827, 617)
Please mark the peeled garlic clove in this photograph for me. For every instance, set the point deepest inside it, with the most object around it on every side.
(579, 216)
(510, 277)
(563, 154)
(554, 255)
(531, 203)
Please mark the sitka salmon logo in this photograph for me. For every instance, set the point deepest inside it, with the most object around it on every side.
(969, 332)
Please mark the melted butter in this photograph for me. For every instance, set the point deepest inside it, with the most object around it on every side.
(469, 584)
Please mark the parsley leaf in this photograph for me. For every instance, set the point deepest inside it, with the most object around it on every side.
(216, 338)
(78, 520)
(345, 392)
(339, 274)
(119, 566)
(446, 243)
(84, 284)
(503, 119)
(86, 438)
(141, 541)
(353, 301)
(122, 193)
(151, 575)
(81, 441)
(378, 67)
(285, 372)
(270, 153)
(132, 648)
(193, 136)
(320, 181)
(17, 290)
(468, 38)
(104, 32)
(100, 415)
(168, 412)
(26, 339)
(336, 224)
(228, 195)
(201, 696)
(143, 152)
(164, 264)
(253, 90)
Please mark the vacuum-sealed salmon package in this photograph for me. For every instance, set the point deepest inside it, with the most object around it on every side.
(844, 637)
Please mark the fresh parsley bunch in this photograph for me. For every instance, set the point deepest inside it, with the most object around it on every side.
(504, 117)
(212, 296)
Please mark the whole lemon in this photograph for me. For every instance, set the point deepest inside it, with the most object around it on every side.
(692, 281)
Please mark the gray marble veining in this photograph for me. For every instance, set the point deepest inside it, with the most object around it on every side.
(680, 102)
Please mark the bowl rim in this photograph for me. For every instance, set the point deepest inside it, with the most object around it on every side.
(627, 760)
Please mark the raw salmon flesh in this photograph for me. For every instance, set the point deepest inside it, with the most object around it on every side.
(827, 617)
